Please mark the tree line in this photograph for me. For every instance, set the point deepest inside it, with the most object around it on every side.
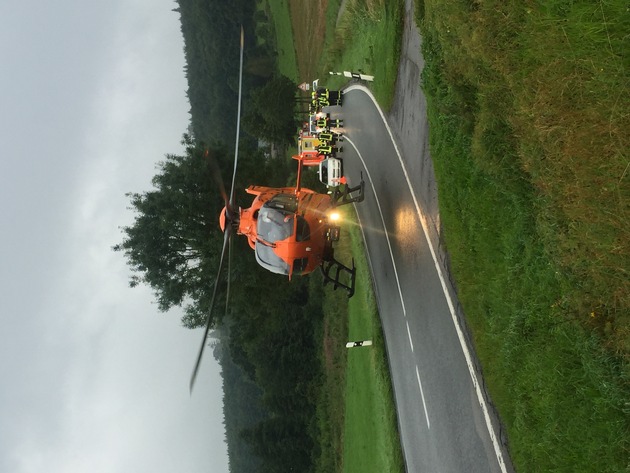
(267, 339)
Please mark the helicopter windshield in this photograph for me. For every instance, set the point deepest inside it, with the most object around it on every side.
(269, 260)
(276, 217)
(274, 225)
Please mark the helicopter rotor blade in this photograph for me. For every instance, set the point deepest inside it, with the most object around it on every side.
(229, 204)
(229, 279)
(216, 175)
(226, 238)
(238, 117)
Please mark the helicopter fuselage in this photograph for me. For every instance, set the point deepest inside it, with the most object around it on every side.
(291, 230)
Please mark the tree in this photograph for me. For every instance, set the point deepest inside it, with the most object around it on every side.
(174, 242)
(271, 114)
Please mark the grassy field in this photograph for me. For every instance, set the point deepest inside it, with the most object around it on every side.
(369, 397)
(367, 38)
(287, 62)
(528, 108)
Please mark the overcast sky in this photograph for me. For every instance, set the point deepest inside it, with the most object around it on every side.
(93, 377)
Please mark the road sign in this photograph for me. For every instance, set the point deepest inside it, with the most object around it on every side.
(360, 343)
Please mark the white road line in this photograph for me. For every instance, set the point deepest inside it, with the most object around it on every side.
(458, 329)
(391, 255)
(378, 204)
(424, 404)
(409, 335)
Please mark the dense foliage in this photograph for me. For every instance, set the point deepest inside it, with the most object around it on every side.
(211, 47)
(271, 113)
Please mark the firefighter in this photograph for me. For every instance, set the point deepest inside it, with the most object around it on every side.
(335, 123)
(322, 123)
(325, 123)
(329, 137)
(333, 97)
(327, 150)
(323, 101)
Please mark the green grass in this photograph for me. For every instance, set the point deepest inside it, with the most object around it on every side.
(356, 415)
(371, 430)
(547, 310)
(368, 39)
(287, 63)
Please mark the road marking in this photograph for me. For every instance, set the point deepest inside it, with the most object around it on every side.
(424, 404)
(451, 307)
(391, 255)
(409, 335)
(378, 204)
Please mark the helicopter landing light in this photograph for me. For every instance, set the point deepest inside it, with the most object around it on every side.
(334, 216)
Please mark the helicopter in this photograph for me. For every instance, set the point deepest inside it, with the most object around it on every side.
(290, 229)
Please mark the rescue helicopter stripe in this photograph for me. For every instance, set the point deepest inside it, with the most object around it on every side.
(402, 302)
(456, 323)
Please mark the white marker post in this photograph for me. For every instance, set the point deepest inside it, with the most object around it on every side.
(353, 75)
(361, 343)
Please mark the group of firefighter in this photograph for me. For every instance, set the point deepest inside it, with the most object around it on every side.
(327, 129)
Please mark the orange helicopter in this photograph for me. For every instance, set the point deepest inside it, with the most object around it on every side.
(290, 229)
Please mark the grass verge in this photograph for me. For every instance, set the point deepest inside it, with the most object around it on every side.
(357, 416)
(287, 61)
(534, 242)
(367, 38)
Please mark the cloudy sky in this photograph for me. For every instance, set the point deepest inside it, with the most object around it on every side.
(93, 377)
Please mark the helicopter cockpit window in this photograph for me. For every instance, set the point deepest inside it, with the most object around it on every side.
(269, 260)
(303, 232)
(276, 218)
(286, 202)
(274, 225)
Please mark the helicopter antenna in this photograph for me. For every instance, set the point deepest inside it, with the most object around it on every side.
(228, 231)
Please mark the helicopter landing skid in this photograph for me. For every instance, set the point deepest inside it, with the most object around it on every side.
(346, 196)
(339, 268)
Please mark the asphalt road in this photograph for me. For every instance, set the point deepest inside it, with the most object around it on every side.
(445, 420)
